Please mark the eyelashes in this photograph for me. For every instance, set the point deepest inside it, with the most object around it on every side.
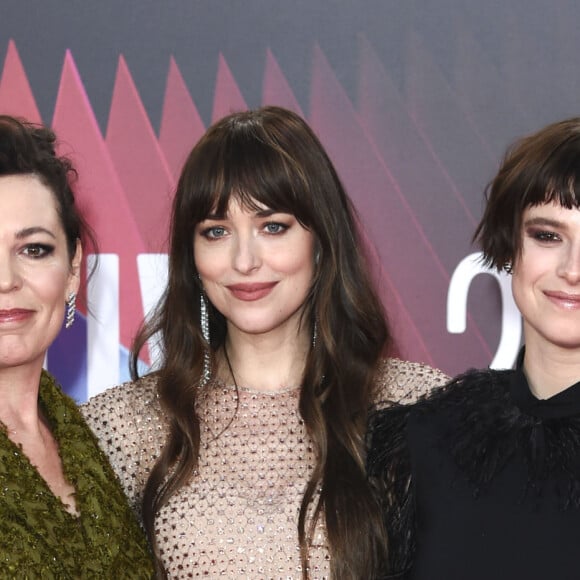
(213, 233)
(276, 228)
(272, 228)
(546, 236)
(38, 251)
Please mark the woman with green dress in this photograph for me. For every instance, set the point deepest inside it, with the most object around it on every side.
(62, 512)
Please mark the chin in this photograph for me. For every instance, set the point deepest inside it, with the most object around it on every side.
(566, 341)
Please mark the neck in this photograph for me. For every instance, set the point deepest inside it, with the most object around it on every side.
(264, 362)
(550, 370)
(19, 388)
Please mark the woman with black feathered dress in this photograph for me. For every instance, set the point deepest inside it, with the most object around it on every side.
(481, 480)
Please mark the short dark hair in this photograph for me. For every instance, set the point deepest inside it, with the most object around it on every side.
(543, 167)
(29, 149)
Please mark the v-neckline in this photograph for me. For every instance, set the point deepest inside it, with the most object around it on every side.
(29, 470)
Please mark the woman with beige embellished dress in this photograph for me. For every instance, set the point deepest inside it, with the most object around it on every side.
(246, 451)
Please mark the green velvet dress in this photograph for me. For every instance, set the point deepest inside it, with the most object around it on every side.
(38, 537)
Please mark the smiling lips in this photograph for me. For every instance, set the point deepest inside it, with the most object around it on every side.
(15, 315)
(251, 292)
(564, 300)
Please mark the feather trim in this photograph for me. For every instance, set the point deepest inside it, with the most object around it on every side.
(483, 430)
(486, 430)
(389, 468)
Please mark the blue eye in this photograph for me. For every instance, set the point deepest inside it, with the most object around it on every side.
(214, 232)
(275, 228)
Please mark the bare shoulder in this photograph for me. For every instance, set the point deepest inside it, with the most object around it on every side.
(405, 381)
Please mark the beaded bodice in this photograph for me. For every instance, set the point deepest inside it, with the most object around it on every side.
(237, 517)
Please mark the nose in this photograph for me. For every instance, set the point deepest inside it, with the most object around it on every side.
(9, 276)
(246, 254)
(569, 267)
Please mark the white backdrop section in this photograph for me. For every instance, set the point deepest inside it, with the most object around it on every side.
(511, 323)
(103, 355)
(153, 271)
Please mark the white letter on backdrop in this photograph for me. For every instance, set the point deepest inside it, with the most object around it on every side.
(103, 356)
(511, 326)
(152, 281)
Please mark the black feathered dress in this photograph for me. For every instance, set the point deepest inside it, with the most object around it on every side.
(481, 481)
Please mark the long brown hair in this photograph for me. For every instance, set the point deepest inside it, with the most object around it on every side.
(272, 157)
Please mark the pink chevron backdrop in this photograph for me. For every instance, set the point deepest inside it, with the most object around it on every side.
(416, 124)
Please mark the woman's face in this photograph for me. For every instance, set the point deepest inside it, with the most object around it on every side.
(36, 273)
(546, 277)
(256, 268)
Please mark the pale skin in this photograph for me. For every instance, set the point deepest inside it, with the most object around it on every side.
(256, 268)
(36, 277)
(546, 288)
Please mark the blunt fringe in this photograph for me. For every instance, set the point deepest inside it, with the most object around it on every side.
(270, 156)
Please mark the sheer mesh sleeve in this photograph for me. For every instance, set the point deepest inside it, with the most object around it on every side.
(404, 382)
(128, 424)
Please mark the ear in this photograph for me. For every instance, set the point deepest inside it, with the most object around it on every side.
(74, 279)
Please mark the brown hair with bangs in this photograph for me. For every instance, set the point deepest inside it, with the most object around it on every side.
(541, 168)
(271, 157)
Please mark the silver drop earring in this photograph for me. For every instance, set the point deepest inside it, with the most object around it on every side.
(204, 320)
(70, 310)
(314, 333)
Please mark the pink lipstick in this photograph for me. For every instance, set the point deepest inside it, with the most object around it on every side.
(564, 300)
(15, 315)
(250, 292)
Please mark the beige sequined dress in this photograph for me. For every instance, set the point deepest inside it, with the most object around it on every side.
(237, 517)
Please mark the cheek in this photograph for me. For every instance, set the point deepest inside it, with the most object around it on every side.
(210, 265)
(56, 292)
(524, 280)
(517, 291)
(300, 268)
(298, 259)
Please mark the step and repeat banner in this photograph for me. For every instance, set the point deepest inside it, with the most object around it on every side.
(414, 101)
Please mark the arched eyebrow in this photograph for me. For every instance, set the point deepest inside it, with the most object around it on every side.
(266, 212)
(27, 232)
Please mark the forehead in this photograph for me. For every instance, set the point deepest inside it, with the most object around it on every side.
(25, 197)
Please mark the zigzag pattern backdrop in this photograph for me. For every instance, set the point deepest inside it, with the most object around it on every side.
(414, 154)
(126, 179)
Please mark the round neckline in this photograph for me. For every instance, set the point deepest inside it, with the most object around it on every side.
(254, 391)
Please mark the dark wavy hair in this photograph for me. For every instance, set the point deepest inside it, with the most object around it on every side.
(29, 149)
(541, 168)
(272, 157)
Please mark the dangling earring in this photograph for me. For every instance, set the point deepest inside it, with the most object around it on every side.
(508, 267)
(314, 333)
(70, 310)
(204, 320)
